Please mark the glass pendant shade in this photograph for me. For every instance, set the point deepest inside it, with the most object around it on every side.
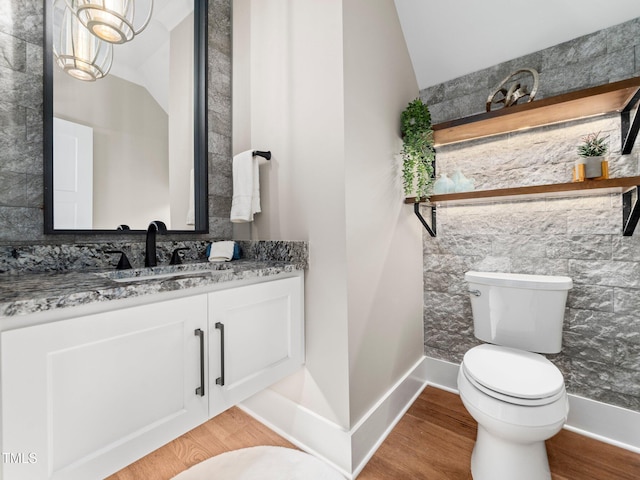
(79, 53)
(114, 21)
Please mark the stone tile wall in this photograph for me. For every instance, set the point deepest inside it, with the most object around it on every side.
(21, 139)
(575, 236)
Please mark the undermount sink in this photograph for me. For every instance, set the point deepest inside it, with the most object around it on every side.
(163, 272)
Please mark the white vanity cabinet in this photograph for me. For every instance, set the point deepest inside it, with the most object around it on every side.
(83, 397)
(256, 337)
(86, 395)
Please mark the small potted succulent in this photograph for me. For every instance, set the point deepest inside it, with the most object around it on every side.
(592, 153)
(418, 152)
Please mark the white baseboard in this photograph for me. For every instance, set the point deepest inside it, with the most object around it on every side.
(347, 451)
(601, 421)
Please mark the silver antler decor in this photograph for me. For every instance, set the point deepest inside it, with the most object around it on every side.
(513, 88)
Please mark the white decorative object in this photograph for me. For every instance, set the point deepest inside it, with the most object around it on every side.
(443, 185)
(462, 183)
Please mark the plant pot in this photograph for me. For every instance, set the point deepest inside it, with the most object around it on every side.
(592, 166)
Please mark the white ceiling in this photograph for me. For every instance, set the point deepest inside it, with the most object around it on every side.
(450, 38)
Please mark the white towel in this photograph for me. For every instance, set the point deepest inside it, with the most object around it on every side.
(221, 251)
(246, 188)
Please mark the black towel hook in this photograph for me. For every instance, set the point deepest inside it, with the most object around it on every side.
(266, 155)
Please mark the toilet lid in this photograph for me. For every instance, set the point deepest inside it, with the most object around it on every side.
(515, 373)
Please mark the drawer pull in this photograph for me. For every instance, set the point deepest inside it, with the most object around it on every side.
(200, 390)
(220, 379)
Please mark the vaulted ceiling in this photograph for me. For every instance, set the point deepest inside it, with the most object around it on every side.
(450, 38)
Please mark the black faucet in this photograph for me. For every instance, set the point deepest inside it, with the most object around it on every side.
(150, 258)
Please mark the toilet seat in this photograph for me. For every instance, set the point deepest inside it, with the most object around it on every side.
(513, 376)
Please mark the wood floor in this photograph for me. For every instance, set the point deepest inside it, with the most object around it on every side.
(433, 441)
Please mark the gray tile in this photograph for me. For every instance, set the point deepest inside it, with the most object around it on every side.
(219, 205)
(21, 223)
(454, 264)
(627, 355)
(612, 274)
(13, 53)
(478, 245)
(582, 247)
(433, 95)
(589, 297)
(35, 59)
(627, 300)
(574, 51)
(620, 36)
(34, 191)
(626, 248)
(539, 266)
(585, 347)
(19, 88)
(13, 189)
(519, 246)
(22, 19)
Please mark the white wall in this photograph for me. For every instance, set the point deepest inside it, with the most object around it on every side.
(328, 81)
(297, 113)
(384, 239)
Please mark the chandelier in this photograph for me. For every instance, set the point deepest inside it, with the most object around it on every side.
(77, 51)
(114, 21)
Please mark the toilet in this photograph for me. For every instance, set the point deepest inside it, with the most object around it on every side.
(515, 394)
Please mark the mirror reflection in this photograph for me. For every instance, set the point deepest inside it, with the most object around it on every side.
(123, 118)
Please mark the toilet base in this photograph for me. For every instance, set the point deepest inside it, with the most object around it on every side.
(496, 459)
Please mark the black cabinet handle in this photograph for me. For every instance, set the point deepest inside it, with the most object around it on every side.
(220, 379)
(200, 390)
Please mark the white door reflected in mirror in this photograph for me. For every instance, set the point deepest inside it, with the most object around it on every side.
(73, 182)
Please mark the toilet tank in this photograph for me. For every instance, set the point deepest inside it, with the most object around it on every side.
(518, 310)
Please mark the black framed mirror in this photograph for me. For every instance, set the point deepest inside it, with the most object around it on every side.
(135, 138)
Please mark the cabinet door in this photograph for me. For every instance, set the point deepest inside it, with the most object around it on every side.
(84, 397)
(256, 337)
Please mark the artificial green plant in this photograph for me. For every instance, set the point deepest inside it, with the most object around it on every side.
(593, 145)
(418, 152)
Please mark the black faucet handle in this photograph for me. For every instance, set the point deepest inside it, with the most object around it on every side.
(124, 263)
(175, 256)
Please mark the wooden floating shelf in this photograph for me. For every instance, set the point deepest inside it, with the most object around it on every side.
(612, 185)
(620, 97)
(628, 186)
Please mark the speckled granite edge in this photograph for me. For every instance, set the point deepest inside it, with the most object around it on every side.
(278, 251)
(38, 278)
(40, 292)
(15, 260)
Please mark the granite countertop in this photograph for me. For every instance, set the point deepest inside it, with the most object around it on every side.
(22, 294)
